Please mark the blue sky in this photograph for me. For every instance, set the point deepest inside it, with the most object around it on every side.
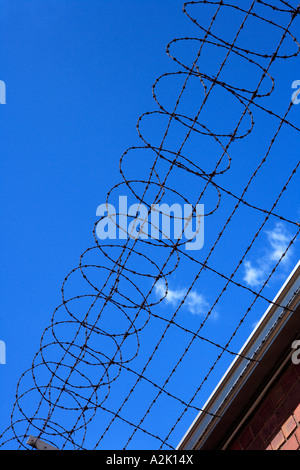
(78, 75)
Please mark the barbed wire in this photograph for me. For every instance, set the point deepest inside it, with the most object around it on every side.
(83, 359)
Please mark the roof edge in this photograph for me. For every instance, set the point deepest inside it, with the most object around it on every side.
(263, 336)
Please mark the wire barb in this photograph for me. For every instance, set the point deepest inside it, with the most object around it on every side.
(84, 361)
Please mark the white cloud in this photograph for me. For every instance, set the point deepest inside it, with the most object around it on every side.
(172, 296)
(194, 302)
(253, 276)
(197, 304)
(278, 241)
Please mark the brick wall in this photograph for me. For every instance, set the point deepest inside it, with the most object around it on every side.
(275, 424)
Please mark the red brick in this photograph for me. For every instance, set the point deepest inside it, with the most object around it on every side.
(297, 414)
(297, 434)
(236, 446)
(257, 444)
(256, 424)
(246, 438)
(277, 394)
(273, 425)
(291, 444)
(291, 401)
(278, 441)
(289, 426)
(289, 378)
(263, 413)
(266, 409)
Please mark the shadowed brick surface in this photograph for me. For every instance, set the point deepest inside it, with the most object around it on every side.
(275, 423)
